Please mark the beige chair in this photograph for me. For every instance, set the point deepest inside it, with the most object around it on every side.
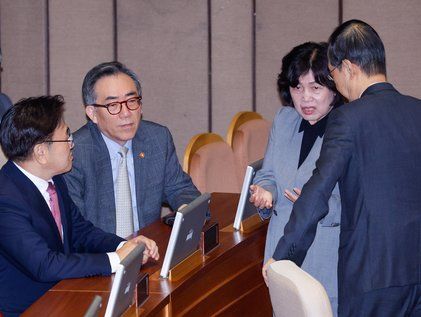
(247, 135)
(294, 292)
(209, 161)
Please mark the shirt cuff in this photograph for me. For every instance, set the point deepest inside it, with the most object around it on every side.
(114, 258)
(120, 245)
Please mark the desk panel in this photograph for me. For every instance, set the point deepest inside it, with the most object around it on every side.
(228, 283)
(65, 304)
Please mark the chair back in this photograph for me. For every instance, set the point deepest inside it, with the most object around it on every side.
(294, 292)
(240, 118)
(209, 161)
(248, 136)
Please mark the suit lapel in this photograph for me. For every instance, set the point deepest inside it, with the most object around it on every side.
(36, 201)
(314, 153)
(308, 165)
(288, 153)
(142, 149)
(104, 175)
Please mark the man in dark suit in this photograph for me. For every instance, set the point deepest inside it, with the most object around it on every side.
(112, 97)
(372, 147)
(43, 237)
(5, 102)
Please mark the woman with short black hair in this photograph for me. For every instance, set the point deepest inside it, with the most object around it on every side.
(309, 94)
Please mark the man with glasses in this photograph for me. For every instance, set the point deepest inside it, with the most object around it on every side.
(124, 168)
(372, 148)
(43, 236)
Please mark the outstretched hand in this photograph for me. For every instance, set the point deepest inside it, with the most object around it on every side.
(260, 197)
(265, 270)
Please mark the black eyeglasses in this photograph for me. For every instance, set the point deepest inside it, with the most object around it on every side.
(330, 77)
(115, 107)
(69, 139)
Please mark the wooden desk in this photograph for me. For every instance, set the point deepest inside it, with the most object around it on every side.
(228, 283)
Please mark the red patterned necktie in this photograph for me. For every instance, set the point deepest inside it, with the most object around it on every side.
(55, 209)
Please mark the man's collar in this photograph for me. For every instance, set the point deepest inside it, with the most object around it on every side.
(39, 182)
(376, 87)
(113, 147)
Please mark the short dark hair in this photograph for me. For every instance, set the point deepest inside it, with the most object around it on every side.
(359, 43)
(29, 122)
(299, 61)
(104, 70)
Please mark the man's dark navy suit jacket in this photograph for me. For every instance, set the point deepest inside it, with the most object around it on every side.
(32, 255)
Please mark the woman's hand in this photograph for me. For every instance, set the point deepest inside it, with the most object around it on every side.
(292, 196)
(260, 197)
(265, 270)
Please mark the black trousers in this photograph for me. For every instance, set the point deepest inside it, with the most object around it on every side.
(404, 301)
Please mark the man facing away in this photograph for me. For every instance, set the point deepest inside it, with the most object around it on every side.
(372, 147)
(43, 236)
(5, 102)
(116, 145)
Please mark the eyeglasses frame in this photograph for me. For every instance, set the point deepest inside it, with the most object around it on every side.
(330, 77)
(139, 103)
(69, 139)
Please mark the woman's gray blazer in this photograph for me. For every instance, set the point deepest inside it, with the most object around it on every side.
(280, 172)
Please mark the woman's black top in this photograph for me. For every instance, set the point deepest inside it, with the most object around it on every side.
(311, 132)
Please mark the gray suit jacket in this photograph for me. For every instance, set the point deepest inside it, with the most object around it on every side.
(158, 175)
(280, 172)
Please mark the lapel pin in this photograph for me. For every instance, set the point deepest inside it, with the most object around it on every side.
(142, 155)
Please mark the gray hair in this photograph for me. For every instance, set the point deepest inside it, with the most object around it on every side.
(104, 70)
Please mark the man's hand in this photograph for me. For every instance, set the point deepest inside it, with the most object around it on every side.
(292, 196)
(260, 197)
(265, 269)
(181, 207)
(151, 249)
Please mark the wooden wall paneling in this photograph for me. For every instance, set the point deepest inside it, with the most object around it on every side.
(281, 25)
(231, 61)
(81, 36)
(23, 35)
(398, 24)
(23, 38)
(165, 42)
